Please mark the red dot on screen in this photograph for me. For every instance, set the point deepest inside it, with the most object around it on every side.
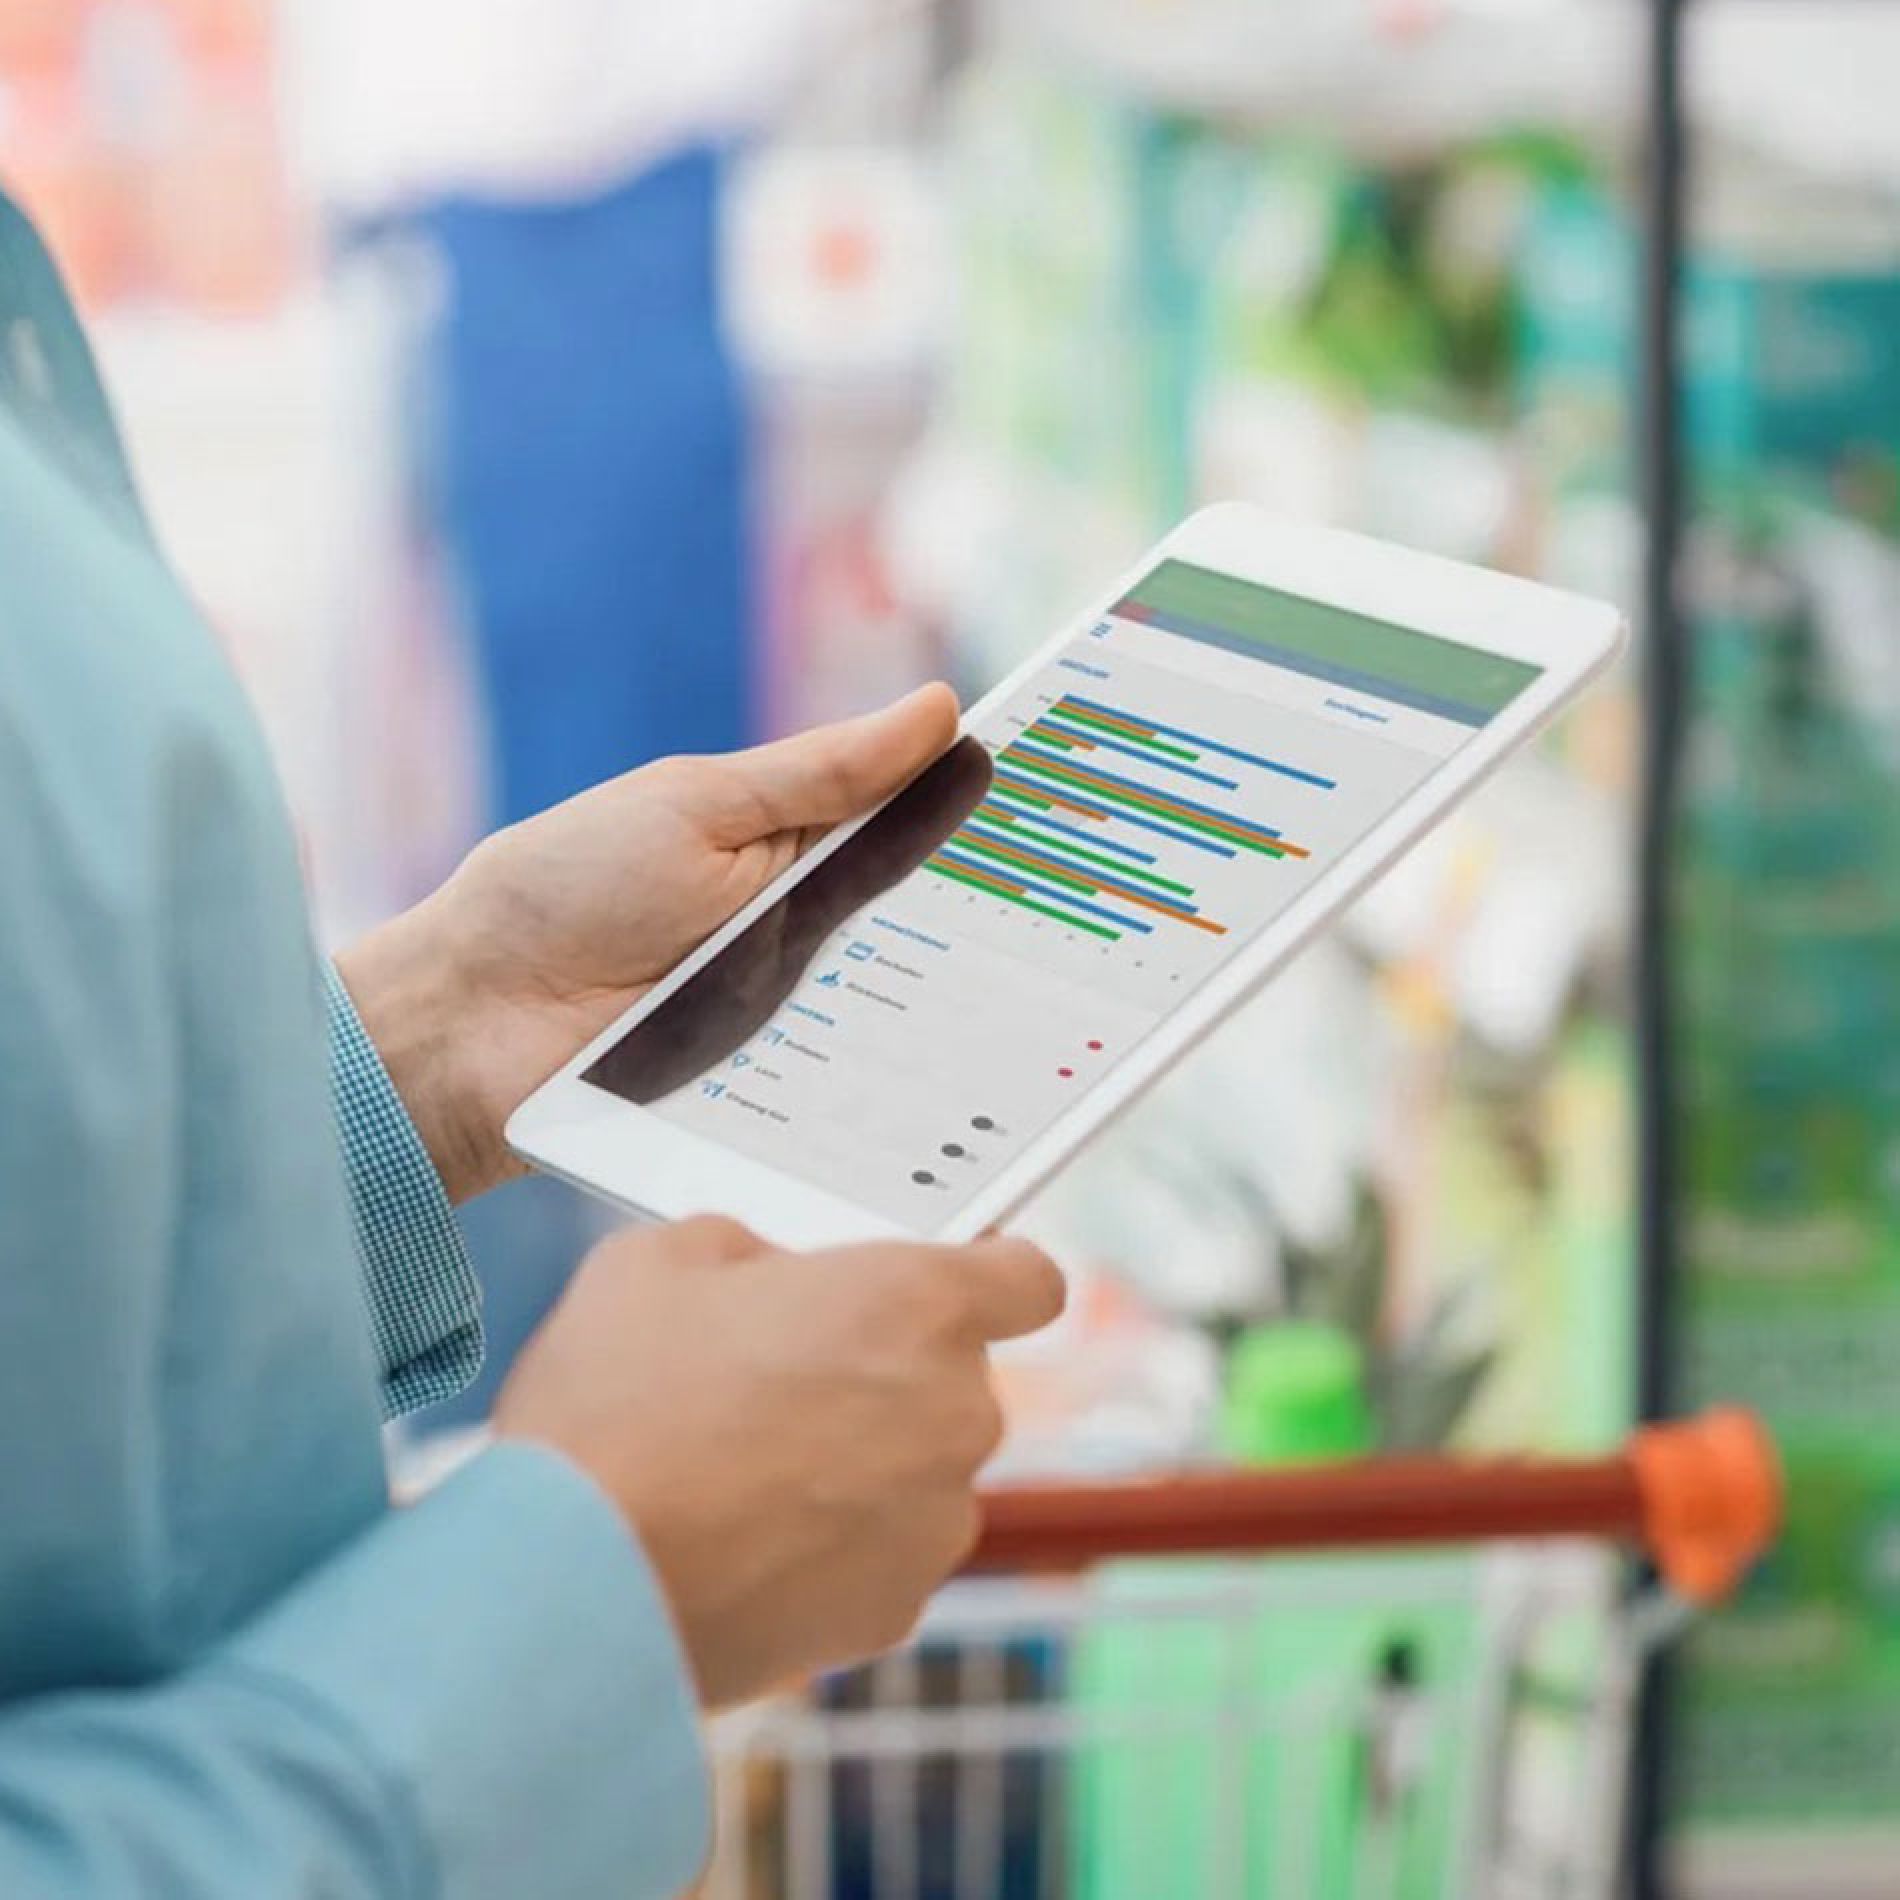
(1065, 1073)
(1095, 1045)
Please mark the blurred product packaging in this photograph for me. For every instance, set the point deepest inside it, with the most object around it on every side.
(1788, 913)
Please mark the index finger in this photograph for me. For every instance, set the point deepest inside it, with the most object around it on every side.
(1009, 1287)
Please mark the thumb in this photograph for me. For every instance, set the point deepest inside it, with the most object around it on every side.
(1010, 1287)
(834, 772)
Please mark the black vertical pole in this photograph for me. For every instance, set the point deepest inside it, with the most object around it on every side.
(1663, 688)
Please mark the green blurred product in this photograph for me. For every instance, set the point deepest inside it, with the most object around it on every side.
(1288, 1736)
(1118, 264)
(1295, 1395)
(1477, 207)
(1053, 363)
(1531, 1224)
(1790, 933)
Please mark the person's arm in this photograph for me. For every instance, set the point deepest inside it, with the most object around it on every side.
(439, 1713)
(227, 1671)
(487, 1695)
(449, 1015)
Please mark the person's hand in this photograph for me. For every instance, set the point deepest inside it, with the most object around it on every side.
(793, 1437)
(553, 926)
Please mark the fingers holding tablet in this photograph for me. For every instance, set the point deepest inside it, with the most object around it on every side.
(793, 1436)
(1012, 1287)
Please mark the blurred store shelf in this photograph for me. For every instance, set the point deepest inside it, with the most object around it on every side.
(1394, 75)
(1383, 76)
(268, 451)
(1813, 1864)
(1805, 82)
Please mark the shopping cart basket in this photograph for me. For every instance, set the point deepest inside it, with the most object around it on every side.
(1426, 1694)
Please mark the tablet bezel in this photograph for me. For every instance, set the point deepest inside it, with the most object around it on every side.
(650, 1166)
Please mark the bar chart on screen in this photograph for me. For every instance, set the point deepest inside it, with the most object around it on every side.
(1132, 822)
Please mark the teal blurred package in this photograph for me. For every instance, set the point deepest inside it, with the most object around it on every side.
(1788, 923)
(1790, 364)
(1790, 932)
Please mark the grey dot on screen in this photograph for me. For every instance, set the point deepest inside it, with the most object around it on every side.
(981, 1121)
(923, 1177)
(953, 1149)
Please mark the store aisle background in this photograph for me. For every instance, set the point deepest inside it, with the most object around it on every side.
(531, 386)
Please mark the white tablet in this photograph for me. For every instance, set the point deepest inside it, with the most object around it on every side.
(937, 1006)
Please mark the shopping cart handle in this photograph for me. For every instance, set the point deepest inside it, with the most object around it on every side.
(1703, 1496)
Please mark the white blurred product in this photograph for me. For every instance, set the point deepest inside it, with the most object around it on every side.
(401, 100)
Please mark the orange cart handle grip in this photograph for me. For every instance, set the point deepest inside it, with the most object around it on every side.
(1702, 1496)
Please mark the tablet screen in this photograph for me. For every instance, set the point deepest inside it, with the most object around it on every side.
(932, 996)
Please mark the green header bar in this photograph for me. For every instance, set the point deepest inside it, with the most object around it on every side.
(1415, 669)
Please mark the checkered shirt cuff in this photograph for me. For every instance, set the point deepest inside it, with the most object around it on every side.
(425, 1305)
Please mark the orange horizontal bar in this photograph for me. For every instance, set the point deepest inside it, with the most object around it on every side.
(988, 880)
(1165, 807)
(1052, 797)
(1058, 738)
(1113, 721)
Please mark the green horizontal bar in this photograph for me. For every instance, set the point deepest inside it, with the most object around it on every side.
(1110, 795)
(1028, 903)
(1076, 716)
(1049, 735)
(1133, 872)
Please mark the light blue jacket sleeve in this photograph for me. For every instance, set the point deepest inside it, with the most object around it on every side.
(228, 1669)
(393, 1728)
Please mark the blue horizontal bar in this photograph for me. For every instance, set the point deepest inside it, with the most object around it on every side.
(1030, 817)
(1036, 789)
(1052, 862)
(1026, 751)
(1135, 752)
(1211, 745)
(988, 867)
